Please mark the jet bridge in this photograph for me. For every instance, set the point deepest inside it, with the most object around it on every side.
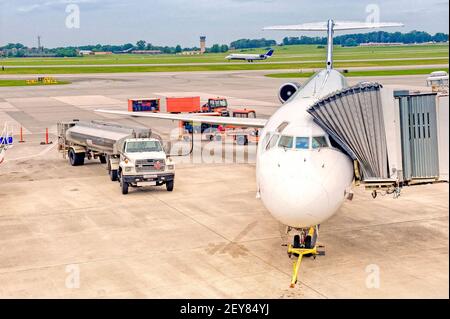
(395, 137)
(353, 117)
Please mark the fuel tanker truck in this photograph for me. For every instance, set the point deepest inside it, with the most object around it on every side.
(134, 156)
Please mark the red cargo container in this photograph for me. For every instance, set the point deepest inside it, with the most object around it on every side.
(183, 104)
(144, 105)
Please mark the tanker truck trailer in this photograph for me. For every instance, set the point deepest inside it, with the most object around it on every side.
(133, 156)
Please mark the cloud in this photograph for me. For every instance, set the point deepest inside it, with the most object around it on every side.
(169, 22)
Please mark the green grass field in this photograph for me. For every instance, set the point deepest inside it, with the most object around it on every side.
(287, 57)
(360, 73)
(24, 83)
(211, 67)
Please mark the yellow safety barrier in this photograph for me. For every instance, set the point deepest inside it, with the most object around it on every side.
(44, 80)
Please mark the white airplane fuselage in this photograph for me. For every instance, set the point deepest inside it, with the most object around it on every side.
(247, 57)
(302, 186)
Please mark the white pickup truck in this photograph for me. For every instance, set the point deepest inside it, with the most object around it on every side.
(133, 156)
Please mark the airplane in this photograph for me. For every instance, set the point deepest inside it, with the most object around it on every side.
(301, 178)
(124, 51)
(250, 57)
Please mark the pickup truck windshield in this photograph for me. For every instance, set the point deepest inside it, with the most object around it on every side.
(143, 146)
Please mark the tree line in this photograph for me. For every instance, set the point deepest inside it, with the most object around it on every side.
(20, 50)
(375, 37)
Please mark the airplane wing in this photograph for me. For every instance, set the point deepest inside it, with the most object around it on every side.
(338, 25)
(224, 120)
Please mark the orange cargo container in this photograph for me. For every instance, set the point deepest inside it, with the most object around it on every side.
(183, 104)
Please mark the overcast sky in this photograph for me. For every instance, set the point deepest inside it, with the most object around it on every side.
(171, 22)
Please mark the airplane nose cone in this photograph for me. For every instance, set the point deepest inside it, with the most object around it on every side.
(301, 199)
(300, 191)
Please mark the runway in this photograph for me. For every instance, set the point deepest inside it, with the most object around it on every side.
(210, 238)
(87, 65)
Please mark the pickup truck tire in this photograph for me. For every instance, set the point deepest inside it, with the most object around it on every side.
(113, 175)
(124, 187)
(169, 185)
(76, 159)
(102, 159)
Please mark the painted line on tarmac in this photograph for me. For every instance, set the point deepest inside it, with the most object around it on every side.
(41, 153)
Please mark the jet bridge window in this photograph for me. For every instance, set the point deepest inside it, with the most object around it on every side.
(319, 142)
(302, 143)
(286, 141)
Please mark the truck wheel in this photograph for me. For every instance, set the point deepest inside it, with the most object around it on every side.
(76, 159)
(169, 185)
(242, 140)
(102, 159)
(124, 186)
(113, 174)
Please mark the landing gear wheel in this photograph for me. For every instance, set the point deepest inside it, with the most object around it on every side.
(308, 242)
(296, 243)
(169, 185)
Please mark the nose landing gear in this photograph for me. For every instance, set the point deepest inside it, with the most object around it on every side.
(304, 244)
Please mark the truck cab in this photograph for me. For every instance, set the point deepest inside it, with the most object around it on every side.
(143, 162)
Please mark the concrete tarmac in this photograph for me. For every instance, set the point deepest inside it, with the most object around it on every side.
(68, 232)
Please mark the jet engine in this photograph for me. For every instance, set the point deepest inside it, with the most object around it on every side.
(287, 90)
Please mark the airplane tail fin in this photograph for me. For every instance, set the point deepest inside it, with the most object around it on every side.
(269, 53)
(330, 26)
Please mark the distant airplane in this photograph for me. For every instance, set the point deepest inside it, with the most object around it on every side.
(250, 57)
(124, 51)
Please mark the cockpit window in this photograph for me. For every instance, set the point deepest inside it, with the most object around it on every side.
(266, 140)
(302, 142)
(319, 141)
(273, 141)
(286, 141)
